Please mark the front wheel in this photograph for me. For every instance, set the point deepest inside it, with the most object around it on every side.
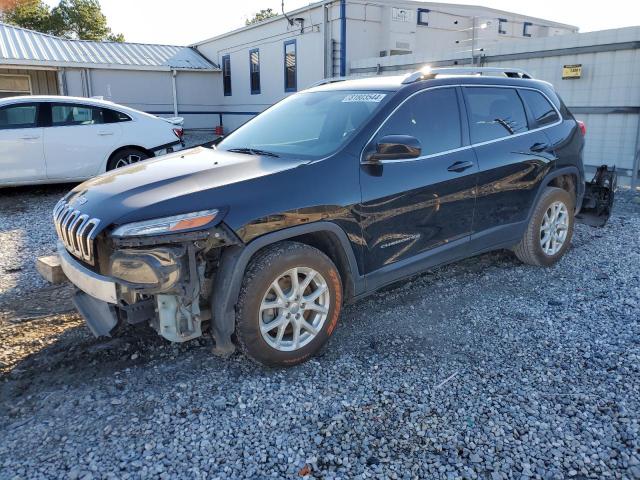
(550, 229)
(289, 304)
(125, 157)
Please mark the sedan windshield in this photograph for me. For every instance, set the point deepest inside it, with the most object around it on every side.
(308, 125)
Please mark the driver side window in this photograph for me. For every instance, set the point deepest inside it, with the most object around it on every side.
(432, 117)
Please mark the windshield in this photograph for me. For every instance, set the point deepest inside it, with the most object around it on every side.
(308, 125)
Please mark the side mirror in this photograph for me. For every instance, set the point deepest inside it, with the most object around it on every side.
(393, 147)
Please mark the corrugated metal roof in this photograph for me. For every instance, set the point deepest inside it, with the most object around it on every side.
(19, 46)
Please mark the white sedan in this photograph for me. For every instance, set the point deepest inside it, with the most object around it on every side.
(56, 139)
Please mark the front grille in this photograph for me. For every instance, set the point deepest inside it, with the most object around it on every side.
(76, 231)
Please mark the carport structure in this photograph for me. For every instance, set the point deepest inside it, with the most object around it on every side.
(158, 79)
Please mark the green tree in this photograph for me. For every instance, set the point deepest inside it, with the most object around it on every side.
(78, 19)
(261, 15)
(31, 14)
(81, 19)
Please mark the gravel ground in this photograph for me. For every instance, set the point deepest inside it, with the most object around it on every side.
(482, 369)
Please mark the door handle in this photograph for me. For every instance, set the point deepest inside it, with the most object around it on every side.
(460, 166)
(539, 147)
(104, 133)
(30, 137)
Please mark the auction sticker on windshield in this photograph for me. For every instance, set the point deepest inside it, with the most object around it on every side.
(364, 97)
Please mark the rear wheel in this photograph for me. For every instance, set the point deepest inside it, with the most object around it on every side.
(289, 304)
(125, 157)
(550, 229)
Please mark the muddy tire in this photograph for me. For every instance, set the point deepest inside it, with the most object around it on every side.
(548, 235)
(289, 304)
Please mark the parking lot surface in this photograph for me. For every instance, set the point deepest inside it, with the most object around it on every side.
(482, 369)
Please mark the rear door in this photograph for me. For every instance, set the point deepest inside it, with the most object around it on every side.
(21, 150)
(513, 155)
(79, 140)
(412, 206)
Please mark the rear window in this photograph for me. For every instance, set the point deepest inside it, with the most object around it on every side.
(494, 113)
(541, 109)
(113, 116)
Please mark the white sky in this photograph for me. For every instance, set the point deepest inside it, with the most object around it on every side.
(187, 21)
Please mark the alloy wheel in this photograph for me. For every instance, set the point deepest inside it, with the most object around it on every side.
(294, 309)
(128, 160)
(554, 228)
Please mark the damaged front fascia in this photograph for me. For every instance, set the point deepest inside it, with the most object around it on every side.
(218, 236)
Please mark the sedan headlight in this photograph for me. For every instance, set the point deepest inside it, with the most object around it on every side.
(174, 224)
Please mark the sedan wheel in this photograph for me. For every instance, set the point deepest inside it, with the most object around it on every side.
(128, 160)
(126, 157)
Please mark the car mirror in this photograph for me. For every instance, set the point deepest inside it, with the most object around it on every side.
(394, 147)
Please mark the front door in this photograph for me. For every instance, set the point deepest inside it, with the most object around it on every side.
(410, 207)
(78, 141)
(21, 151)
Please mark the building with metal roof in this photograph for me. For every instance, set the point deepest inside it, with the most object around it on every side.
(159, 79)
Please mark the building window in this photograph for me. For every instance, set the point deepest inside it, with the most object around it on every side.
(423, 16)
(254, 70)
(525, 29)
(501, 26)
(290, 66)
(226, 75)
(14, 85)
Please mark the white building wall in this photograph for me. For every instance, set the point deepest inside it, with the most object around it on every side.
(269, 39)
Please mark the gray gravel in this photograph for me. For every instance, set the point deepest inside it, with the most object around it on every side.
(483, 369)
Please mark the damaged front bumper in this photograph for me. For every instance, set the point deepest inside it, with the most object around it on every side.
(159, 281)
(599, 195)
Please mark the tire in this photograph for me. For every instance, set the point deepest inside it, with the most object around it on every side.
(125, 157)
(530, 250)
(276, 347)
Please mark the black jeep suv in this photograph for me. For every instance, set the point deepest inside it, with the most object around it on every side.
(325, 197)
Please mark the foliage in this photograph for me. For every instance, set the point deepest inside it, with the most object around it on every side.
(31, 14)
(261, 15)
(78, 19)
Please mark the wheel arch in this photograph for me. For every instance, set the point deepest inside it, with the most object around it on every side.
(565, 178)
(325, 236)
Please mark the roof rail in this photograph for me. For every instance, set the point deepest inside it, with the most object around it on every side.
(326, 81)
(428, 73)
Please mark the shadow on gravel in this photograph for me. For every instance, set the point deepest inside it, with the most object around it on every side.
(55, 351)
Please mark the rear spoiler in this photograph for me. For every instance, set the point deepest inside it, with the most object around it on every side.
(177, 121)
(599, 194)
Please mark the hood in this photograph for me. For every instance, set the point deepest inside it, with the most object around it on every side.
(187, 181)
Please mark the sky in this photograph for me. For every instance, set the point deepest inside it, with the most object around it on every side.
(187, 21)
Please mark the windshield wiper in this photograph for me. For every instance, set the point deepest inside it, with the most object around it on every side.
(253, 151)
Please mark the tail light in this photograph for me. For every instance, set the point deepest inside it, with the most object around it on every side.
(179, 132)
(582, 127)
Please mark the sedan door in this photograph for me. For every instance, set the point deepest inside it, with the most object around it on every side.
(413, 209)
(21, 150)
(79, 141)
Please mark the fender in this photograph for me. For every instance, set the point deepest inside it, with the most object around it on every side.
(233, 264)
(547, 180)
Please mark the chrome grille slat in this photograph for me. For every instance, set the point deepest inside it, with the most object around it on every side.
(76, 230)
